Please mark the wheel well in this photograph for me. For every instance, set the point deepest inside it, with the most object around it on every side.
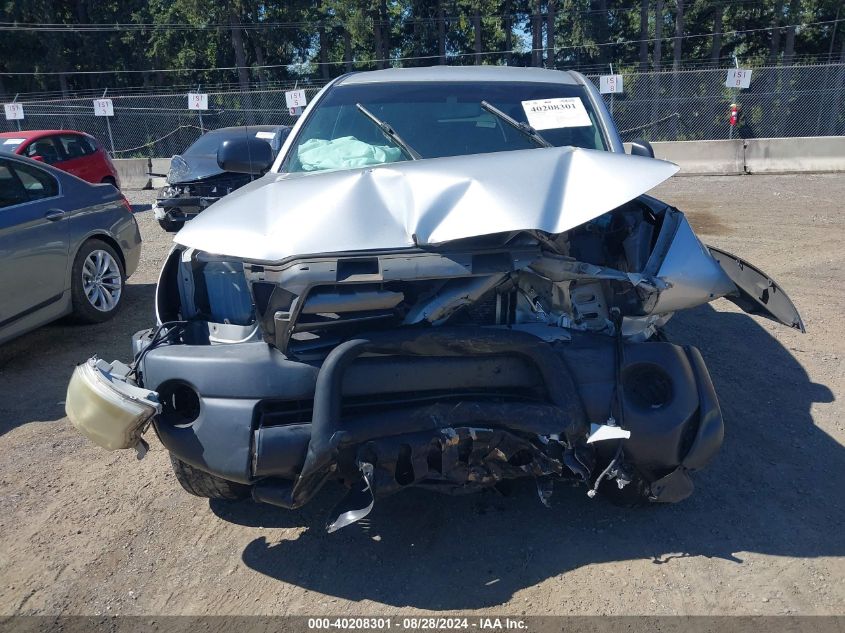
(108, 239)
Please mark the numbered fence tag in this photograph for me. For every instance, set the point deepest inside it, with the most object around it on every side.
(14, 111)
(550, 114)
(610, 84)
(295, 99)
(197, 101)
(103, 107)
(738, 78)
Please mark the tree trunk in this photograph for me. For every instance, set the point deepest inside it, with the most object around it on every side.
(601, 30)
(508, 27)
(644, 35)
(259, 60)
(347, 50)
(550, 34)
(678, 42)
(718, 18)
(774, 46)
(323, 42)
(834, 129)
(385, 32)
(789, 45)
(441, 33)
(536, 35)
(379, 53)
(476, 27)
(240, 60)
(677, 47)
(658, 33)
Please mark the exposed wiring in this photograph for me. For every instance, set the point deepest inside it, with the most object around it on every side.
(161, 334)
(618, 420)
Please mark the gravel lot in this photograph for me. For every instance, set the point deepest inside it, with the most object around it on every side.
(90, 532)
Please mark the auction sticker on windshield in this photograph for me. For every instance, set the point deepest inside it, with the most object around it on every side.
(550, 114)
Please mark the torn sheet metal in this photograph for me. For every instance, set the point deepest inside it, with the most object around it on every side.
(422, 202)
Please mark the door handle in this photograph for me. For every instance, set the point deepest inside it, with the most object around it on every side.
(55, 214)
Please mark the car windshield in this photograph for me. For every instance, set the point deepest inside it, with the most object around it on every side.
(438, 119)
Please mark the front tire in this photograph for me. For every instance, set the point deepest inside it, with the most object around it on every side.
(171, 226)
(97, 282)
(201, 484)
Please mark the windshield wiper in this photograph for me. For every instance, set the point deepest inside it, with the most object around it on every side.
(389, 132)
(523, 128)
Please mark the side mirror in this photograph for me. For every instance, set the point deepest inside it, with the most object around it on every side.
(247, 155)
(640, 147)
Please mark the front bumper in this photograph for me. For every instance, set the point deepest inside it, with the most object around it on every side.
(252, 420)
(180, 209)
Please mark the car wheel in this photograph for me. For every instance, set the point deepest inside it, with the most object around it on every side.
(97, 281)
(201, 484)
(171, 226)
(110, 181)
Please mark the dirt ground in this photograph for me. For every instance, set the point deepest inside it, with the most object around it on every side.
(84, 531)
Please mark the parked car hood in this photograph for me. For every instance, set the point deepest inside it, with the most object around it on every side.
(419, 203)
(191, 168)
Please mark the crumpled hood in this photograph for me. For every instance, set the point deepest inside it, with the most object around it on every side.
(423, 202)
(190, 168)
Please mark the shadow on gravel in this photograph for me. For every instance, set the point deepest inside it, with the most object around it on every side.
(774, 489)
(36, 367)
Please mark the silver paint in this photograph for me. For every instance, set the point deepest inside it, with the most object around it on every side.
(421, 203)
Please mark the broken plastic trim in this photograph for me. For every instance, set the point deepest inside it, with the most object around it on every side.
(327, 433)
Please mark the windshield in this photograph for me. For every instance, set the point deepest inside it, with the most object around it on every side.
(437, 119)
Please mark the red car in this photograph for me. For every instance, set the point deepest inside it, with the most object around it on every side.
(74, 152)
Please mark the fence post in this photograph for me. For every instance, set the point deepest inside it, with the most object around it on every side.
(199, 112)
(108, 127)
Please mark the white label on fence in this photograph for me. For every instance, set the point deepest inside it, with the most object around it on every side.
(738, 78)
(295, 98)
(103, 107)
(550, 114)
(295, 111)
(14, 111)
(264, 135)
(609, 84)
(197, 101)
(13, 141)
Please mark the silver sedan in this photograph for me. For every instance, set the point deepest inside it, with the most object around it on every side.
(66, 247)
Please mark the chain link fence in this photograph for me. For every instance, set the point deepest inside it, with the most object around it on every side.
(783, 101)
(690, 105)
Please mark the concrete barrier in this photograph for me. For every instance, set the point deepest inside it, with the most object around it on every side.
(133, 172)
(159, 166)
(788, 155)
(754, 156)
(702, 158)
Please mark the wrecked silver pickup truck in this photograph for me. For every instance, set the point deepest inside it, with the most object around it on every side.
(449, 278)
